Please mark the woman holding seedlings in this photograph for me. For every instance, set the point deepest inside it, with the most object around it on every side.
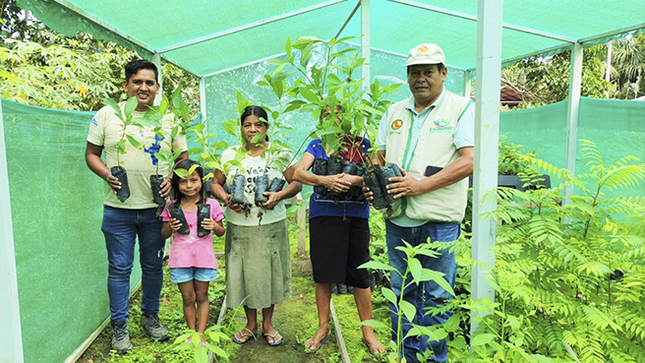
(338, 230)
(258, 261)
(192, 218)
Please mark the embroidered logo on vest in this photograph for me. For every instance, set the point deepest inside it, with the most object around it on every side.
(442, 122)
(397, 124)
(441, 126)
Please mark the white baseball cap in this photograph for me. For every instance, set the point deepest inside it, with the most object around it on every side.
(426, 53)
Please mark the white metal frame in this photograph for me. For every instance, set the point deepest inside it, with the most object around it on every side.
(575, 85)
(489, 68)
(10, 329)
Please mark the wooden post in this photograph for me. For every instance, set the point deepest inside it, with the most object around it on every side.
(301, 222)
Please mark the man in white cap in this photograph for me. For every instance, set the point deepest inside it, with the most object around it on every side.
(431, 137)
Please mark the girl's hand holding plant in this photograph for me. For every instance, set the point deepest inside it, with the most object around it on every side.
(174, 224)
(170, 227)
(210, 225)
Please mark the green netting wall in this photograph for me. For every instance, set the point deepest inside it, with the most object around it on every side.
(616, 127)
(56, 209)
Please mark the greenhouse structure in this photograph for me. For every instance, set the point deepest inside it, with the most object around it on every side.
(44, 239)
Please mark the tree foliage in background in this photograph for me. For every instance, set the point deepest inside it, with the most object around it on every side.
(43, 68)
(545, 80)
(627, 66)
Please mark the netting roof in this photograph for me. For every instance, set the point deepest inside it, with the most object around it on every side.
(206, 36)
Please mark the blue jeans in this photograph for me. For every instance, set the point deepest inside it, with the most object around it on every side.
(426, 294)
(121, 228)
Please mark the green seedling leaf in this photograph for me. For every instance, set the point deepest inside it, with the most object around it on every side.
(176, 97)
(222, 145)
(416, 270)
(287, 47)
(302, 42)
(130, 105)
(181, 173)
(258, 138)
(377, 266)
(481, 339)
(277, 61)
(408, 309)
(115, 106)
(136, 144)
(375, 324)
(294, 105)
(217, 350)
(452, 324)
(389, 295)
(427, 332)
(120, 146)
(438, 277)
(310, 96)
(230, 129)
(201, 355)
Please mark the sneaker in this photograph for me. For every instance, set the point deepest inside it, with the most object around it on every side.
(153, 328)
(121, 337)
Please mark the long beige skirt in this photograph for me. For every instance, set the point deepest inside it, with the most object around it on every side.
(258, 265)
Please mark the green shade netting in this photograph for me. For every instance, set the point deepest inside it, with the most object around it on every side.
(243, 32)
(56, 209)
(616, 127)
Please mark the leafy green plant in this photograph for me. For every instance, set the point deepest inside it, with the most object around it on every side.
(125, 115)
(213, 339)
(415, 273)
(568, 278)
(326, 80)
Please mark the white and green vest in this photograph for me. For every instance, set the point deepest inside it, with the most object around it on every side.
(435, 147)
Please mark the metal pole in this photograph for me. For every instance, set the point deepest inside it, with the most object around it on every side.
(365, 43)
(608, 70)
(156, 59)
(202, 98)
(10, 329)
(467, 83)
(489, 69)
(575, 82)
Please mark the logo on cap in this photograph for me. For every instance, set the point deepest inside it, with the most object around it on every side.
(422, 49)
(397, 124)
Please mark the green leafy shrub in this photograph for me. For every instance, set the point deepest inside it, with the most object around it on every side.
(569, 279)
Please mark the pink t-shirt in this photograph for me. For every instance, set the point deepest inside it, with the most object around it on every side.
(189, 250)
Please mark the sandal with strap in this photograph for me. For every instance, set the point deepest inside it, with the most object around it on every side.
(244, 334)
(311, 342)
(375, 349)
(273, 336)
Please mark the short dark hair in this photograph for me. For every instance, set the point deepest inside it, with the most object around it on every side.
(136, 65)
(255, 111)
(440, 67)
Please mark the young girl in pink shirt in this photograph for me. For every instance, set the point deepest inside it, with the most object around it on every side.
(192, 260)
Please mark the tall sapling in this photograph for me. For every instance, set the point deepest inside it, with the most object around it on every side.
(125, 115)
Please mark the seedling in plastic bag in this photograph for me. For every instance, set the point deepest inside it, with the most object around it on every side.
(125, 115)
